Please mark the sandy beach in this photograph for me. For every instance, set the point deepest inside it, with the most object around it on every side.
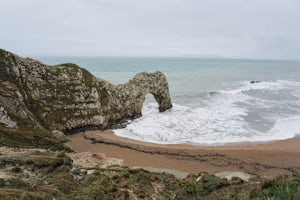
(264, 159)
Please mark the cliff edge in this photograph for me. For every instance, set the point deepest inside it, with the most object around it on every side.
(67, 97)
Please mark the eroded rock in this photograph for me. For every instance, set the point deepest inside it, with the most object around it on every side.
(68, 98)
(60, 136)
(5, 120)
(229, 175)
(93, 160)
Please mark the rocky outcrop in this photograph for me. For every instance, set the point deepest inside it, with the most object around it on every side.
(5, 120)
(60, 136)
(93, 160)
(66, 97)
(255, 82)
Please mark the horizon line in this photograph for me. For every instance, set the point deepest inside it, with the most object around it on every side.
(179, 57)
(204, 56)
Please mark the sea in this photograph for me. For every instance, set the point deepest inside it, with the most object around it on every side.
(214, 101)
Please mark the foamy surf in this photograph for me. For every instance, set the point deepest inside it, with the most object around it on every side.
(245, 113)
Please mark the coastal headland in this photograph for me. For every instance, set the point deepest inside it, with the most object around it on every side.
(52, 143)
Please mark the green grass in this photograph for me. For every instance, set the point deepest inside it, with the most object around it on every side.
(277, 189)
(54, 179)
(30, 139)
(88, 77)
(40, 175)
(103, 96)
(69, 65)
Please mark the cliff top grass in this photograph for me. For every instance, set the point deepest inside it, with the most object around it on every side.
(69, 65)
(88, 77)
(30, 139)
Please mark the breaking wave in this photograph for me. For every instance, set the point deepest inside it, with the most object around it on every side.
(242, 112)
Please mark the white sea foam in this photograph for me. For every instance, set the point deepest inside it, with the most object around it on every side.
(222, 117)
(285, 128)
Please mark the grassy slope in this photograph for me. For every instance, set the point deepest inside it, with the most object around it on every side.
(30, 139)
(49, 175)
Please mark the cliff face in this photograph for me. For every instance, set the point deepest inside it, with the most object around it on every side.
(67, 97)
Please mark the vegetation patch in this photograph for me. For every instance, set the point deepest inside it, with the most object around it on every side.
(30, 139)
(103, 96)
(51, 175)
(69, 65)
(280, 188)
(88, 77)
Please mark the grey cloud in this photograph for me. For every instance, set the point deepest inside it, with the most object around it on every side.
(227, 28)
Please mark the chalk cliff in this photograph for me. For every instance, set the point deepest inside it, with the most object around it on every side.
(67, 97)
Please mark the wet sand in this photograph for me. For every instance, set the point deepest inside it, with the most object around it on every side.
(266, 159)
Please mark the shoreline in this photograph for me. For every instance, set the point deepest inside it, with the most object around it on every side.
(203, 144)
(109, 138)
(269, 159)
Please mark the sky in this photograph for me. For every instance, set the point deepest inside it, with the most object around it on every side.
(255, 29)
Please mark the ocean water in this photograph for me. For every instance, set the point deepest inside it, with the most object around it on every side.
(214, 102)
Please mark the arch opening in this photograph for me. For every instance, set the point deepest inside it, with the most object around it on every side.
(149, 103)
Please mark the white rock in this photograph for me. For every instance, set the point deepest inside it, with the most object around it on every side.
(229, 175)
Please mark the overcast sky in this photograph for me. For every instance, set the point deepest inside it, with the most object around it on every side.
(223, 28)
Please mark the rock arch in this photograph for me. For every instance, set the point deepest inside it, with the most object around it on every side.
(133, 93)
(66, 97)
(156, 84)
